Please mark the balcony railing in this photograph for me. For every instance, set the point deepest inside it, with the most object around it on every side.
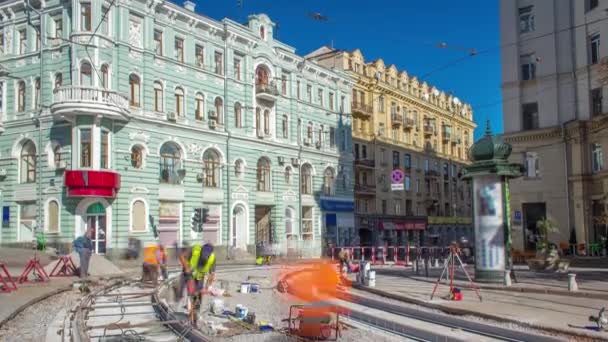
(365, 163)
(408, 123)
(89, 100)
(369, 189)
(455, 140)
(267, 91)
(428, 129)
(446, 135)
(397, 119)
(362, 108)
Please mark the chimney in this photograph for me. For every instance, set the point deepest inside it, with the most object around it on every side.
(189, 5)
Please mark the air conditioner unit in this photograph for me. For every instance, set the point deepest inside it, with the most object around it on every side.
(61, 165)
(3, 173)
(199, 177)
(295, 161)
(172, 116)
(319, 144)
(281, 160)
(212, 124)
(212, 114)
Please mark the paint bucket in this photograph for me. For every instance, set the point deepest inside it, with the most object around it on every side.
(254, 288)
(371, 280)
(240, 311)
(244, 287)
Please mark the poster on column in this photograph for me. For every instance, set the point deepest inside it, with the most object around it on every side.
(489, 223)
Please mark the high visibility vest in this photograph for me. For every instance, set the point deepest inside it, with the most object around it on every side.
(150, 255)
(199, 273)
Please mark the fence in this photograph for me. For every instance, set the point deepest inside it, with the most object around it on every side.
(396, 255)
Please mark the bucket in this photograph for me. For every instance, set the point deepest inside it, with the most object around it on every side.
(244, 287)
(371, 280)
(240, 311)
(254, 288)
(217, 306)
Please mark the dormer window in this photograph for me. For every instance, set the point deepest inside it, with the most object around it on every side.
(262, 32)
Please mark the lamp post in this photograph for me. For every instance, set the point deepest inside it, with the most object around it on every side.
(490, 172)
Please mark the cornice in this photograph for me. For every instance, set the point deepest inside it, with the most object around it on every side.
(535, 135)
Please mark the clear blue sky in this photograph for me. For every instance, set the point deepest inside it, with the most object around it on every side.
(401, 32)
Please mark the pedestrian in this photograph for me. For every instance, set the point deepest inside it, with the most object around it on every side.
(153, 263)
(84, 247)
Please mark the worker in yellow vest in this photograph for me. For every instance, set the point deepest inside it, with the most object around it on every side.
(154, 262)
(198, 263)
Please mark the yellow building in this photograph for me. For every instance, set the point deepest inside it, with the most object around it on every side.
(400, 123)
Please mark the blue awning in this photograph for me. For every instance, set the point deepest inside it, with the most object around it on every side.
(334, 205)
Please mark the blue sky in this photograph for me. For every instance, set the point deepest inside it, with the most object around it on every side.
(402, 32)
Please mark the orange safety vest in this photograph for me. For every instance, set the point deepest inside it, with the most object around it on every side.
(150, 255)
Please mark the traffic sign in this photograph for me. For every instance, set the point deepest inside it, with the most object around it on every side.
(397, 187)
(397, 176)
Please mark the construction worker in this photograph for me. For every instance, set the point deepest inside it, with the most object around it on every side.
(197, 262)
(154, 259)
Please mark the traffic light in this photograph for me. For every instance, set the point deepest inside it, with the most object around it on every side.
(205, 215)
(197, 220)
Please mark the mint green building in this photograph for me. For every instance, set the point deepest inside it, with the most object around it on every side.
(136, 113)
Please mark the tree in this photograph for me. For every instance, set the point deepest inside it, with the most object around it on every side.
(544, 227)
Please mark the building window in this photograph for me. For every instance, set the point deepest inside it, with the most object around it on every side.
(22, 41)
(200, 107)
(530, 117)
(199, 56)
(219, 110)
(138, 216)
(381, 104)
(406, 183)
(237, 69)
(594, 43)
(597, 157)
(290, 218)
(218, 56)
(309, 132)
(85, 147)
(179, 50)
(27, 216)
(407, 160)
(158, 42)
(105, 76)
(137, 156)
(105, 149)
(396, 158)
(37, 38)
(179, 101)
(306, 180)
(2, 43)
(383, 207)
(417, 185)
(211, 163)
(56, 156)
(21, 96)
(592, 4)
(37, 92)
(258, 122)
(526, 19)
(284, 84)
(342, 103)
(262, 33)
(85, 16)
(52, 211)
(86, 75)
(331, 101)
(328, 182)
(596, 101)
(320, 97)
(532, 165)
(288, 175)
(158, 96)
(105, 26)
(426, 165)
(364, 152)
(263, 175)
(135, 84)
(238, 115)
(307, 223)
(170, 163)
(28, 162)
(239, 169)
(332, 137)
(285, 127)
(528, 67)
(267, 122)
(298, 90)
(309, 93)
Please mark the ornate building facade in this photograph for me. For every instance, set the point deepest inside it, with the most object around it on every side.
(128, 116)
(402, 124)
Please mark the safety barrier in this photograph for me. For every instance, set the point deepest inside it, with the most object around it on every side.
(395, 255)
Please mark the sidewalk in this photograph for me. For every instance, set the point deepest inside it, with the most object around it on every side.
(547, 311)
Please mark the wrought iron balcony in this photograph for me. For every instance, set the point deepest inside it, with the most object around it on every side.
(429, 129)
(455, 140)
(267, 91)
(77, 100)
(361, 108)
(365, 189)
(365, 163)
(408, 123)
(446, 136)
(397, 119)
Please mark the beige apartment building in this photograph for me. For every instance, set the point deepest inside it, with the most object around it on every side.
(553, 80)
(402, 124)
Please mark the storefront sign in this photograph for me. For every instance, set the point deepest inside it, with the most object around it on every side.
(489, 223)
(334, 205)
(403, 225)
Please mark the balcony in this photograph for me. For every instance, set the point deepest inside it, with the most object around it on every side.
(408, 123)
(362, 109)
(397, 119)
(431, 173)
(429, 130)
(365, 163)
(365, 189)
(91, 183)
(76, 100)
(455, 140)
(268, 92)
(446, 136)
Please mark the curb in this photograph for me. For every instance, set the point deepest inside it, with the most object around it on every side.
(32, 302)
(465, 312)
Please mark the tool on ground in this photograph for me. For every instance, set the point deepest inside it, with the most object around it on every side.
(64, 267)
(5, 280)
(33, 266)
(449, 267)
(314, 322)
(601, 319)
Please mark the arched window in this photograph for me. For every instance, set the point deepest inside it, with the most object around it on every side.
(306, 179)
(158, 96)
(52, 211)
(239, 169)
(288, 175)
(28, 162)
(211, 165)
(328, 182)
(137, 156)
(219, 110)
(238, 116)
(37, 92)
(57, 155)
(266, 122)
(170, 163)
(21, 97)
(261, 76)
(179, 101)
(105, 76)
(58, 80)
(86, 75)
(290, 219)
(200, 106)
(135, 84)
(263, 175)
(138, 216)
(262, 32)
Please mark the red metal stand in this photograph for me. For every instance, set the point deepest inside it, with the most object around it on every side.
(33, 266)
(5, 288)
(449, 266)
(65, 267)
